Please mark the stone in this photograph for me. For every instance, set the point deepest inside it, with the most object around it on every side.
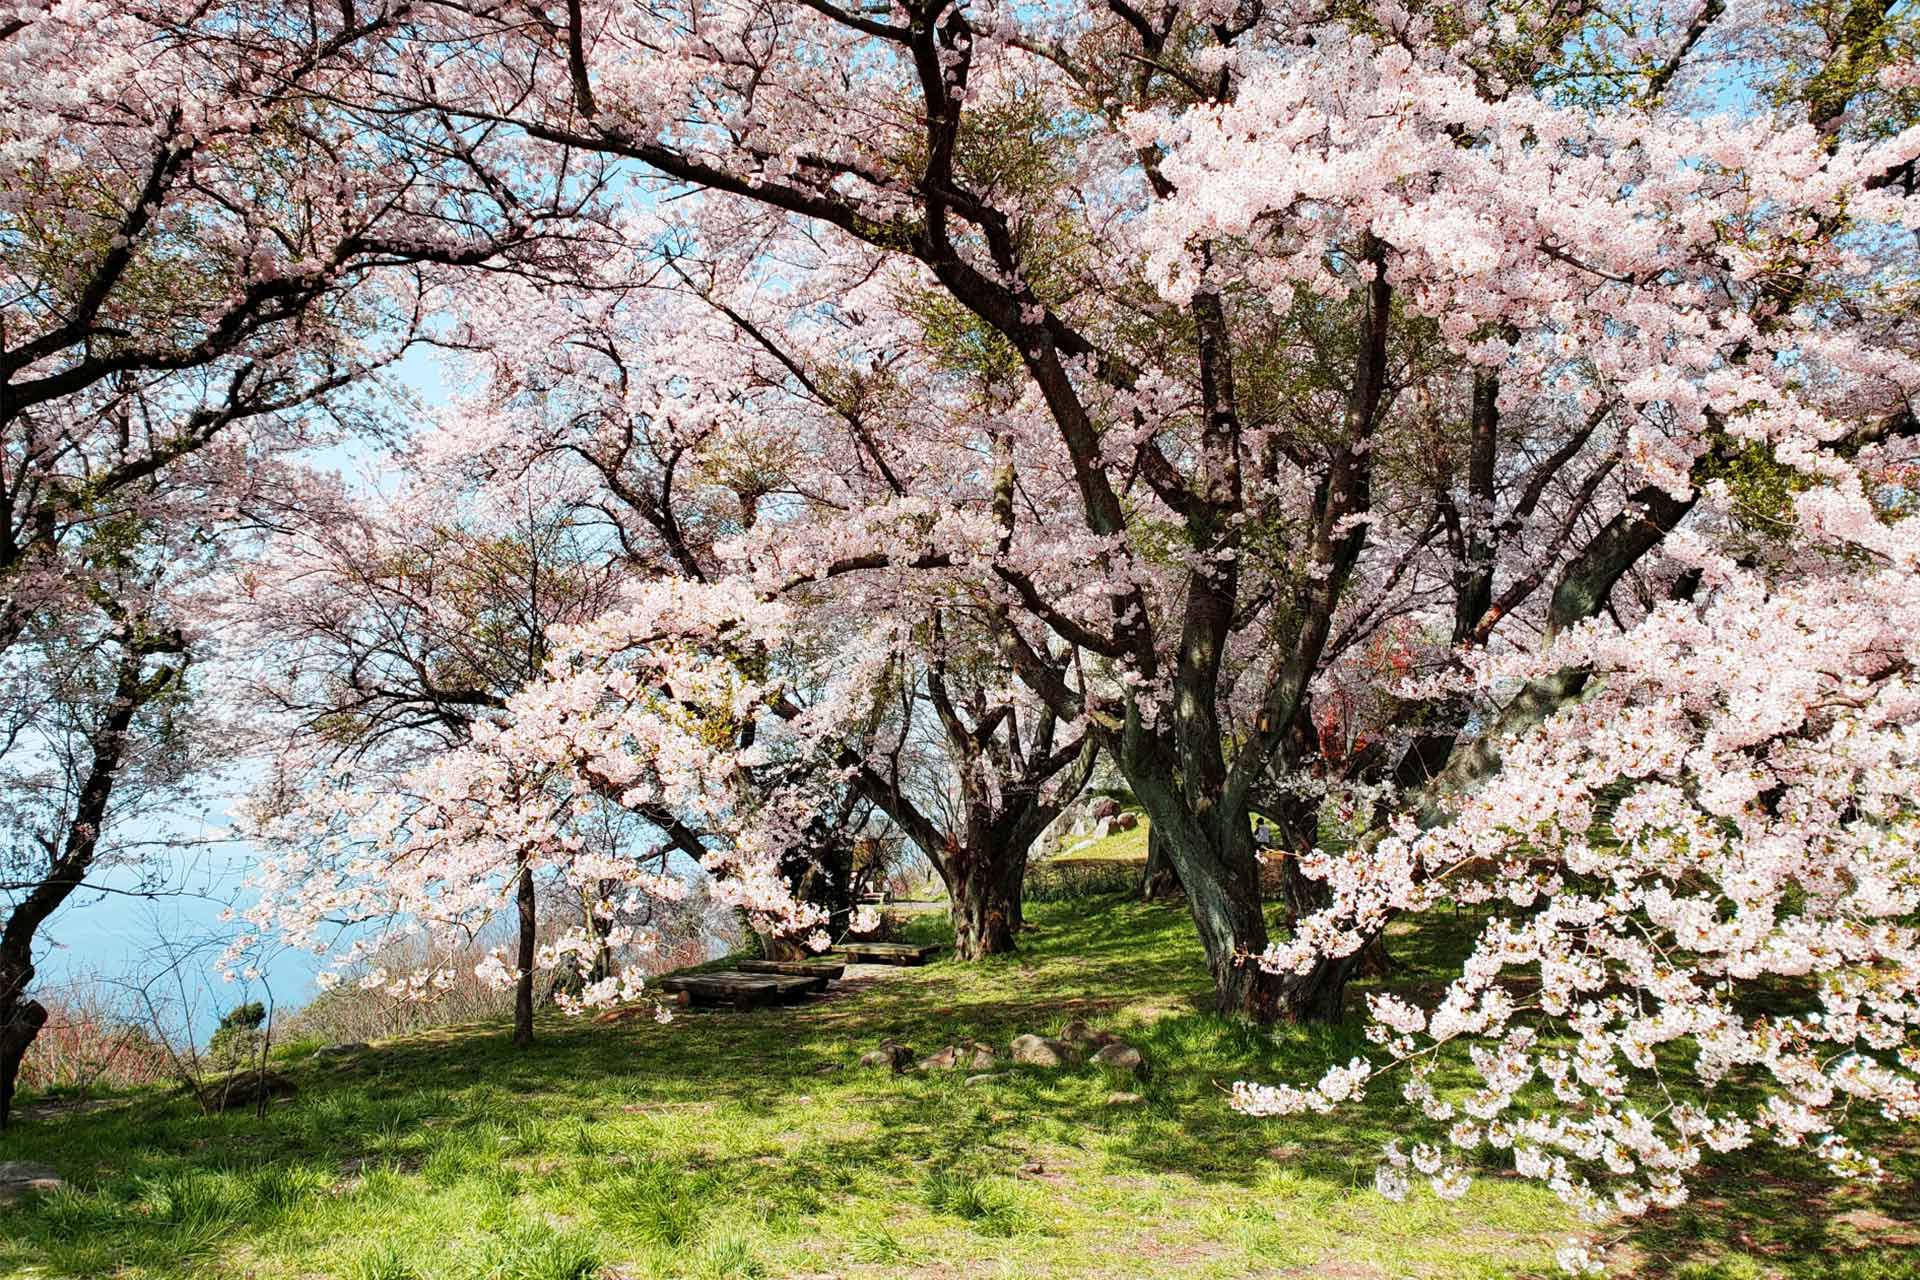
(1126, 821)
(1103, 807)
(1124, 1099)
(985, 1076)
(891, 1053)
(344, 1050)
(1103, 828)
(1121, 1056)
(19, 1177)
(1081, 1033)
(1041, 1051)
(968, 1053)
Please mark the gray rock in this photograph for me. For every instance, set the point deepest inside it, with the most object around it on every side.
(1079, 1032)
(346, 1050)
(18, 1177)
(967, 1053)
(891, 1053)
(1121, 1056)
(944, 1060)
(1103, 807)
(1040, 1051)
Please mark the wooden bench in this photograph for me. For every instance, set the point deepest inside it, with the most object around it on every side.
(819, 974)
(740, 990)
(885, 952)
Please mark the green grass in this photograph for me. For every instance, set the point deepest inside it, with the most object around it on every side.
(1121, 846)
(749, 1145)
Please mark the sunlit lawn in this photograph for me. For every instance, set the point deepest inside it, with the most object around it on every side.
(746, 1145)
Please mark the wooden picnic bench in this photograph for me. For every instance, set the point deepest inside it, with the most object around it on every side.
(885, 952)
(740, 990)
(821, 974)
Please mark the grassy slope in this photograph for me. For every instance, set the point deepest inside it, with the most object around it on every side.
(748, 1145)
(1121, 846)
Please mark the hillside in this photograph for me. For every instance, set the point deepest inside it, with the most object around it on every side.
(744, 1145)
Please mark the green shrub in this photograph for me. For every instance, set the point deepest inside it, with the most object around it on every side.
(237, 1039)
(1068, 881)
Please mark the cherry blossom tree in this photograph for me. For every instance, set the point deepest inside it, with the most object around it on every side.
(1206, 543)
(443, 640)
(390, 627)
(1305, 329)
(97, 733)
(965, 763)
(204, 258)
(1730, 814)
(1005, 774)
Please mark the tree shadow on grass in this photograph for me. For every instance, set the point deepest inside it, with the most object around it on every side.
(764, 1114)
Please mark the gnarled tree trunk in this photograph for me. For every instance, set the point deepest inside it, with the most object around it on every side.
(1213, 855)
(20, 1023)
(1160, 879)
(984, 882)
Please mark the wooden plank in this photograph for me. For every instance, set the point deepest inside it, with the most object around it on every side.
(741, 990)
(794, 969)
(886, 952)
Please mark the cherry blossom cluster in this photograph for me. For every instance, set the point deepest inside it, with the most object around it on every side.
(1698, 886)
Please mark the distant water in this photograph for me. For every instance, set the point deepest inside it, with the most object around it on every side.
(167, 937)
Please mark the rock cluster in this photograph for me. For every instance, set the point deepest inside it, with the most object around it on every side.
(969, 1054)
(1077, 1044)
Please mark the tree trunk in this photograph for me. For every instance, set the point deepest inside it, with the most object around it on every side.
(20, 1023)
(1159, 880)
(523, 984)
(22, 1018)
(983, 890)
(1227, 910)
(1213, 855)
(1320, 994)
